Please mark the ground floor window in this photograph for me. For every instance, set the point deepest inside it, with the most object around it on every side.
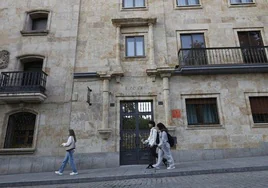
(20, 130)
(259, 109)
(202, 111)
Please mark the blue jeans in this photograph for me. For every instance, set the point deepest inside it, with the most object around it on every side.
(69, 155)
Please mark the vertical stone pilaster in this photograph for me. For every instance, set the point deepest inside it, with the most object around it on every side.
(151, 46)
(105, 107)
(118, 59)
(166, 98)
(105, 130)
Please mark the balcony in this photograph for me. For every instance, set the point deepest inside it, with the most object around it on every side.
(22, 86)
(222, 60)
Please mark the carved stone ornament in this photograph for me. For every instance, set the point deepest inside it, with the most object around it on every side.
(4, 59)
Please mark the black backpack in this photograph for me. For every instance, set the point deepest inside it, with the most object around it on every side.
(157, 139)
(170, 140)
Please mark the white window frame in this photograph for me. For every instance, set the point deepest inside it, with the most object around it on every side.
(135, 55)
(195, 6)
(241, 4)
(134, 7)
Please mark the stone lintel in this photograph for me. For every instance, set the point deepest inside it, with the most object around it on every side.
(23, 97)
(133, 22)
(17, 151)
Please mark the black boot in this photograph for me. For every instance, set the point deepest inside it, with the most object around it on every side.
(149, 166)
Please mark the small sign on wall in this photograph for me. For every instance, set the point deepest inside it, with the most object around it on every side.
(176, 113)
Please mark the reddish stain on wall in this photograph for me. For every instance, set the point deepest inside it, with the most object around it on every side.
(176, 113)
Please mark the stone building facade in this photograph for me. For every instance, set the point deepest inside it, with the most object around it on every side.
(199, 67)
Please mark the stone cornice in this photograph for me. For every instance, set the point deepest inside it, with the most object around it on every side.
(160, 71)
(131, 22)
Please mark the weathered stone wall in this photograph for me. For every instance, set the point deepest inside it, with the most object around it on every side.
(82, 38)
(58, 48)
(219, 22)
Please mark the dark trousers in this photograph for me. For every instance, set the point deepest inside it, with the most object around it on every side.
(154, 155)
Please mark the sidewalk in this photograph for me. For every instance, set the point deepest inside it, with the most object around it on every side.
(137, 171)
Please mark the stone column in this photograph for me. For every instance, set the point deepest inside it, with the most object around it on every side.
(151, 46)
(105, 104)
(104, 130)
(166, 98)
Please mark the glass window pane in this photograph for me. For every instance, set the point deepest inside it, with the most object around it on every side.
(186, 41)
(139, 3)
(235, 1)
(193, 2)
(182, 2)
(128, 123)
(130, 47)
(139, 46)
(128, 3)
(198, 41)
(144, 106)
(255, 38)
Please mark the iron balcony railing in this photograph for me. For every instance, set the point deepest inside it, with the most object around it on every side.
(23, 82)
(222, 56)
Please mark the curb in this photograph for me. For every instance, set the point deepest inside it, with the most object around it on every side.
(138, 176)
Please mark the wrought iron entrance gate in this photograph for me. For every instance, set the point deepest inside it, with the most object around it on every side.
(134, 118)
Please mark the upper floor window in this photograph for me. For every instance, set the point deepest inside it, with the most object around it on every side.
(133, 3)
(193, 49)
(36, 23)
(135, 46)
(187, 2)
(235, 2)
(259, 109)
(202, 111)
(252, 47)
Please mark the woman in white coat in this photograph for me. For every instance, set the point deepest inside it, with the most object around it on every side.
(70, 148)
(164, 148)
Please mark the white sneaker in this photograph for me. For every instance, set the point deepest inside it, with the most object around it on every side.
(156, 167)
(58, 172)
(73, 173)
(170, 167)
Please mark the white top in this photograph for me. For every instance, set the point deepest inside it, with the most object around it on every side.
(69, 141)
(152, 137)
(163, 138)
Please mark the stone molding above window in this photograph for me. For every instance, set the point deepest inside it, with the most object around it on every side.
(37, 23)
(241, 3)
(133, 22)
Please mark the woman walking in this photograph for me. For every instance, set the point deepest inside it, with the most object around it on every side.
(70, 148)
(152, 142)
(164, 148)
